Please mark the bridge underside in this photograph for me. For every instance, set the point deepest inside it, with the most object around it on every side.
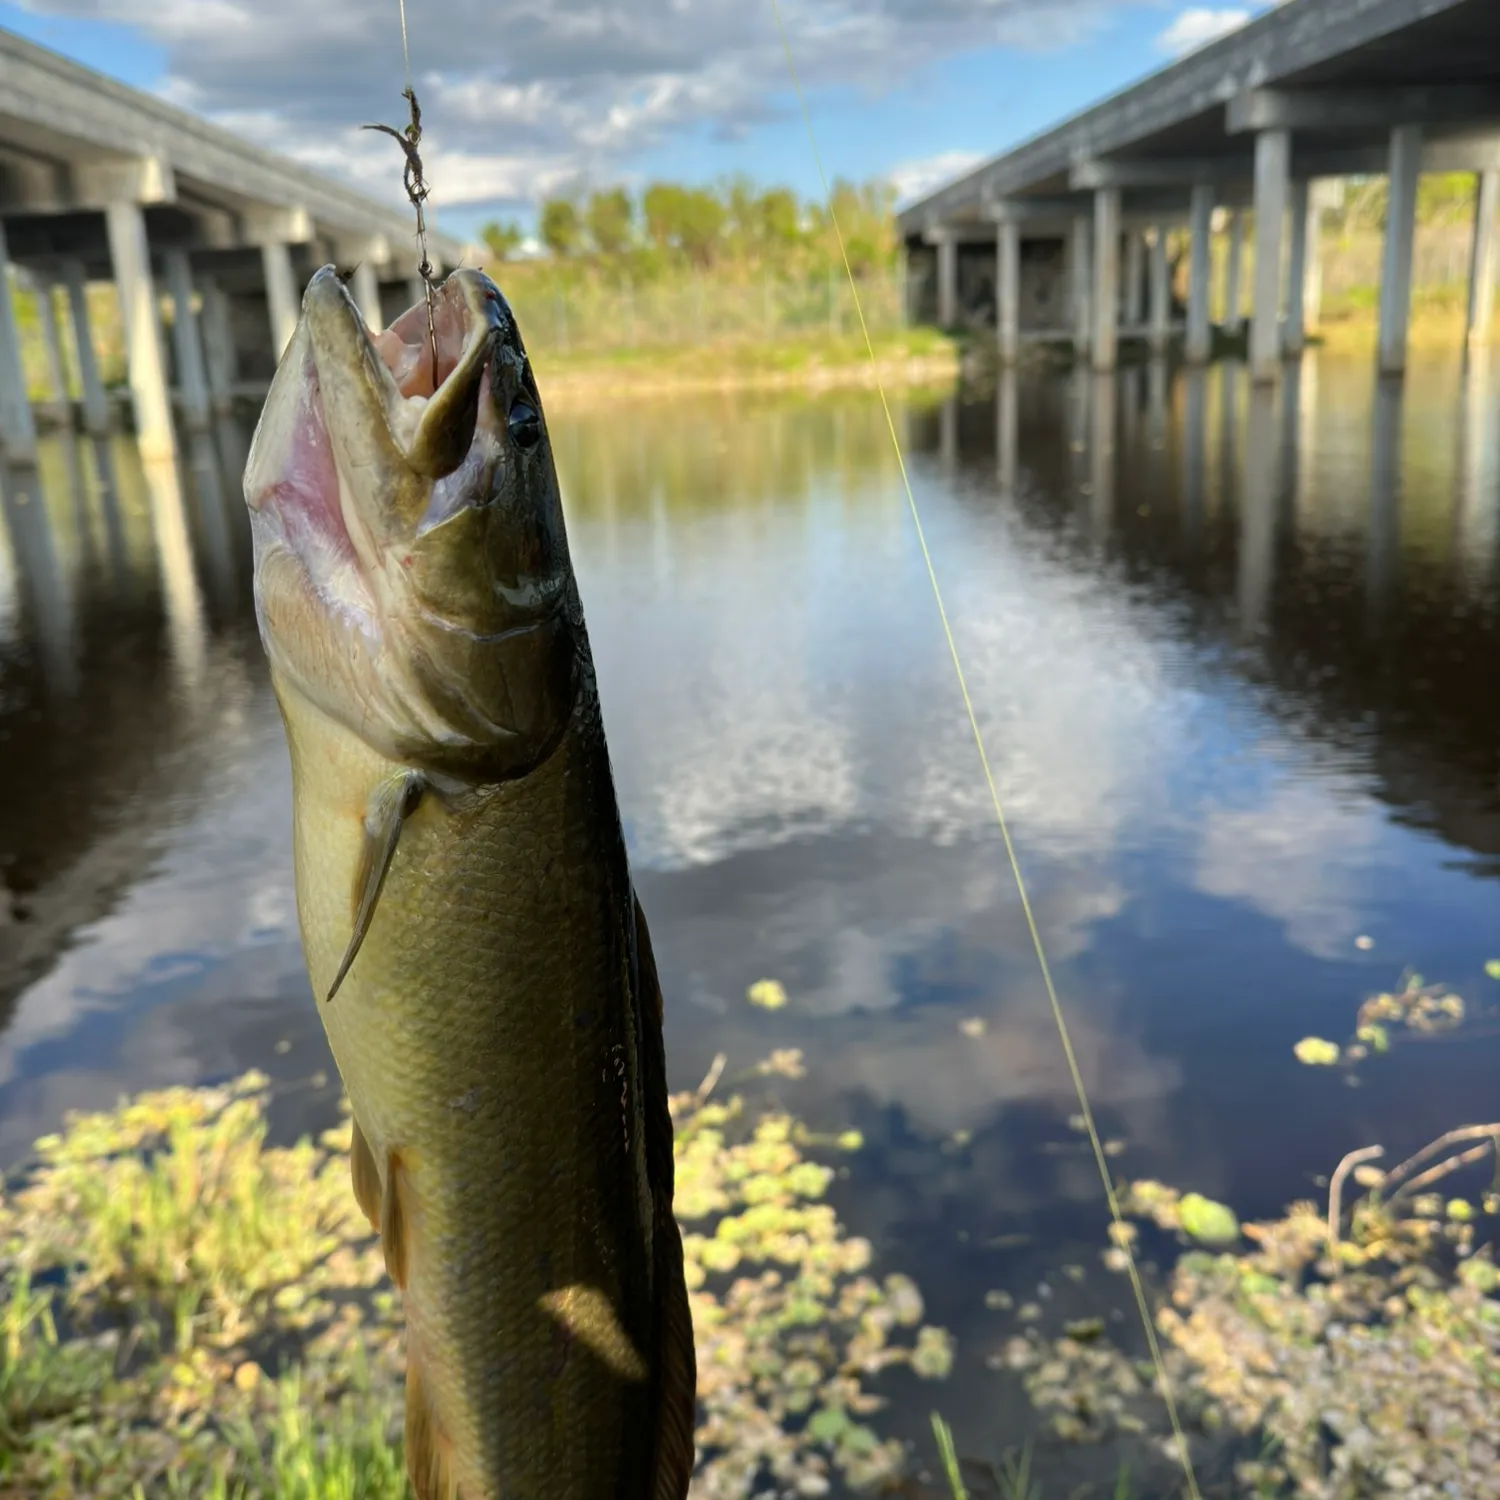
(1268, 120)
(101, 183)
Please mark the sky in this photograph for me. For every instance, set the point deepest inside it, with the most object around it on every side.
(524, 98)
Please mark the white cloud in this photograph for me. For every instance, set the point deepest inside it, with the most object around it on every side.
(518, 99)
(915, 179)
(1198, 27)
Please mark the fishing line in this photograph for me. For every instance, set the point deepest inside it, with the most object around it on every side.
(410, 141)
(1122, 1238)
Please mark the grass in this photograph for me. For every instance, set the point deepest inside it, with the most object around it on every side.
(913, 355)
(1438, 316)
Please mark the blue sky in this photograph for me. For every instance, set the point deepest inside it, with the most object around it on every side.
(593, 91)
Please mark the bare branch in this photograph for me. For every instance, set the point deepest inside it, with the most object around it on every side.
(1336, 1192)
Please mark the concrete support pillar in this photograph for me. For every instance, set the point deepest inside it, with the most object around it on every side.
(1135, 278)
(947, 287)
(130, 254)
(366, 288)
(95, 403)
(1200, 231)
(192, 378)
(1400, 232)
(1161, 292)
(217, 328)
(47, 326)
(1312, 272)
(1273, 166)
(1008, 290)
(1234, 271)
(1294, 330)
(1482, 255)
(1082, 274)
(281, 293)
(1106, 278)
(416, 291)
(17, 424)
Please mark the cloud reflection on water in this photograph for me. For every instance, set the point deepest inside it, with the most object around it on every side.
(794, 766)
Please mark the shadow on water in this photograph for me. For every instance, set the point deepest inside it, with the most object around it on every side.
(1231, 648)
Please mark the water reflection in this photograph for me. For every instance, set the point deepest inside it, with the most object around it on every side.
(1007, 429)
(1229, 659)
(44, 573)
(1258, 512)
(1384, 529)
(1476, 510)
(1102, 399)
(1194, 433)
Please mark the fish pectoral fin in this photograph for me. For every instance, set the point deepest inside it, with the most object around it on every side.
(676, 1360)
(392, 802)
(429, 1452)
(366, 1176)
(585, 1312)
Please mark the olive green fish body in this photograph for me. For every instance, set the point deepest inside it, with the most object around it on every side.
(467, 907)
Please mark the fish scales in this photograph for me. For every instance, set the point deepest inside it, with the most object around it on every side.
(464, 897)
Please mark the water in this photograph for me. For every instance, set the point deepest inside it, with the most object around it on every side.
(1234, 656)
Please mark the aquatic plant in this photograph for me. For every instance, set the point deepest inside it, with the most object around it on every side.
(1356, 1352)
(1413, 1007)
(185, 1310)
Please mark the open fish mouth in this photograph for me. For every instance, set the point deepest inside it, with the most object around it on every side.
(359, 430)
(410, 552)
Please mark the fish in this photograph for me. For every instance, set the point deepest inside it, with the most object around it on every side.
(472, 935)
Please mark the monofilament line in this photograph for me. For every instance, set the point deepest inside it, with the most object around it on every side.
(410, 141)
(1076, 1074)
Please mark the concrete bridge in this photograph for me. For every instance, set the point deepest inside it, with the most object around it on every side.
(1069, 229)
(102, 182)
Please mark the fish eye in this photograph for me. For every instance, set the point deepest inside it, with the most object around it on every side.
(525, 425)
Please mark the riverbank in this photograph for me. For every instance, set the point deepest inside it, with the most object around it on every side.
(902, 358)
(186, 1310)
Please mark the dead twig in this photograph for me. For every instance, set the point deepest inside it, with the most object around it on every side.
(1336, 1192)
(711, 1078)
(1441, 1144)
(1443, 1168)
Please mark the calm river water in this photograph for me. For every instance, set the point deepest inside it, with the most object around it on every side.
(1235, 655)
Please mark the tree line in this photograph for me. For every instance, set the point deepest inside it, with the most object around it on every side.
(734, 224)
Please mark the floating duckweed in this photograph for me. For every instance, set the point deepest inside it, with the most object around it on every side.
(155, 1254)
(1207, 1222)
(1317, 1052)
(932, 1358)
(769, 994)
